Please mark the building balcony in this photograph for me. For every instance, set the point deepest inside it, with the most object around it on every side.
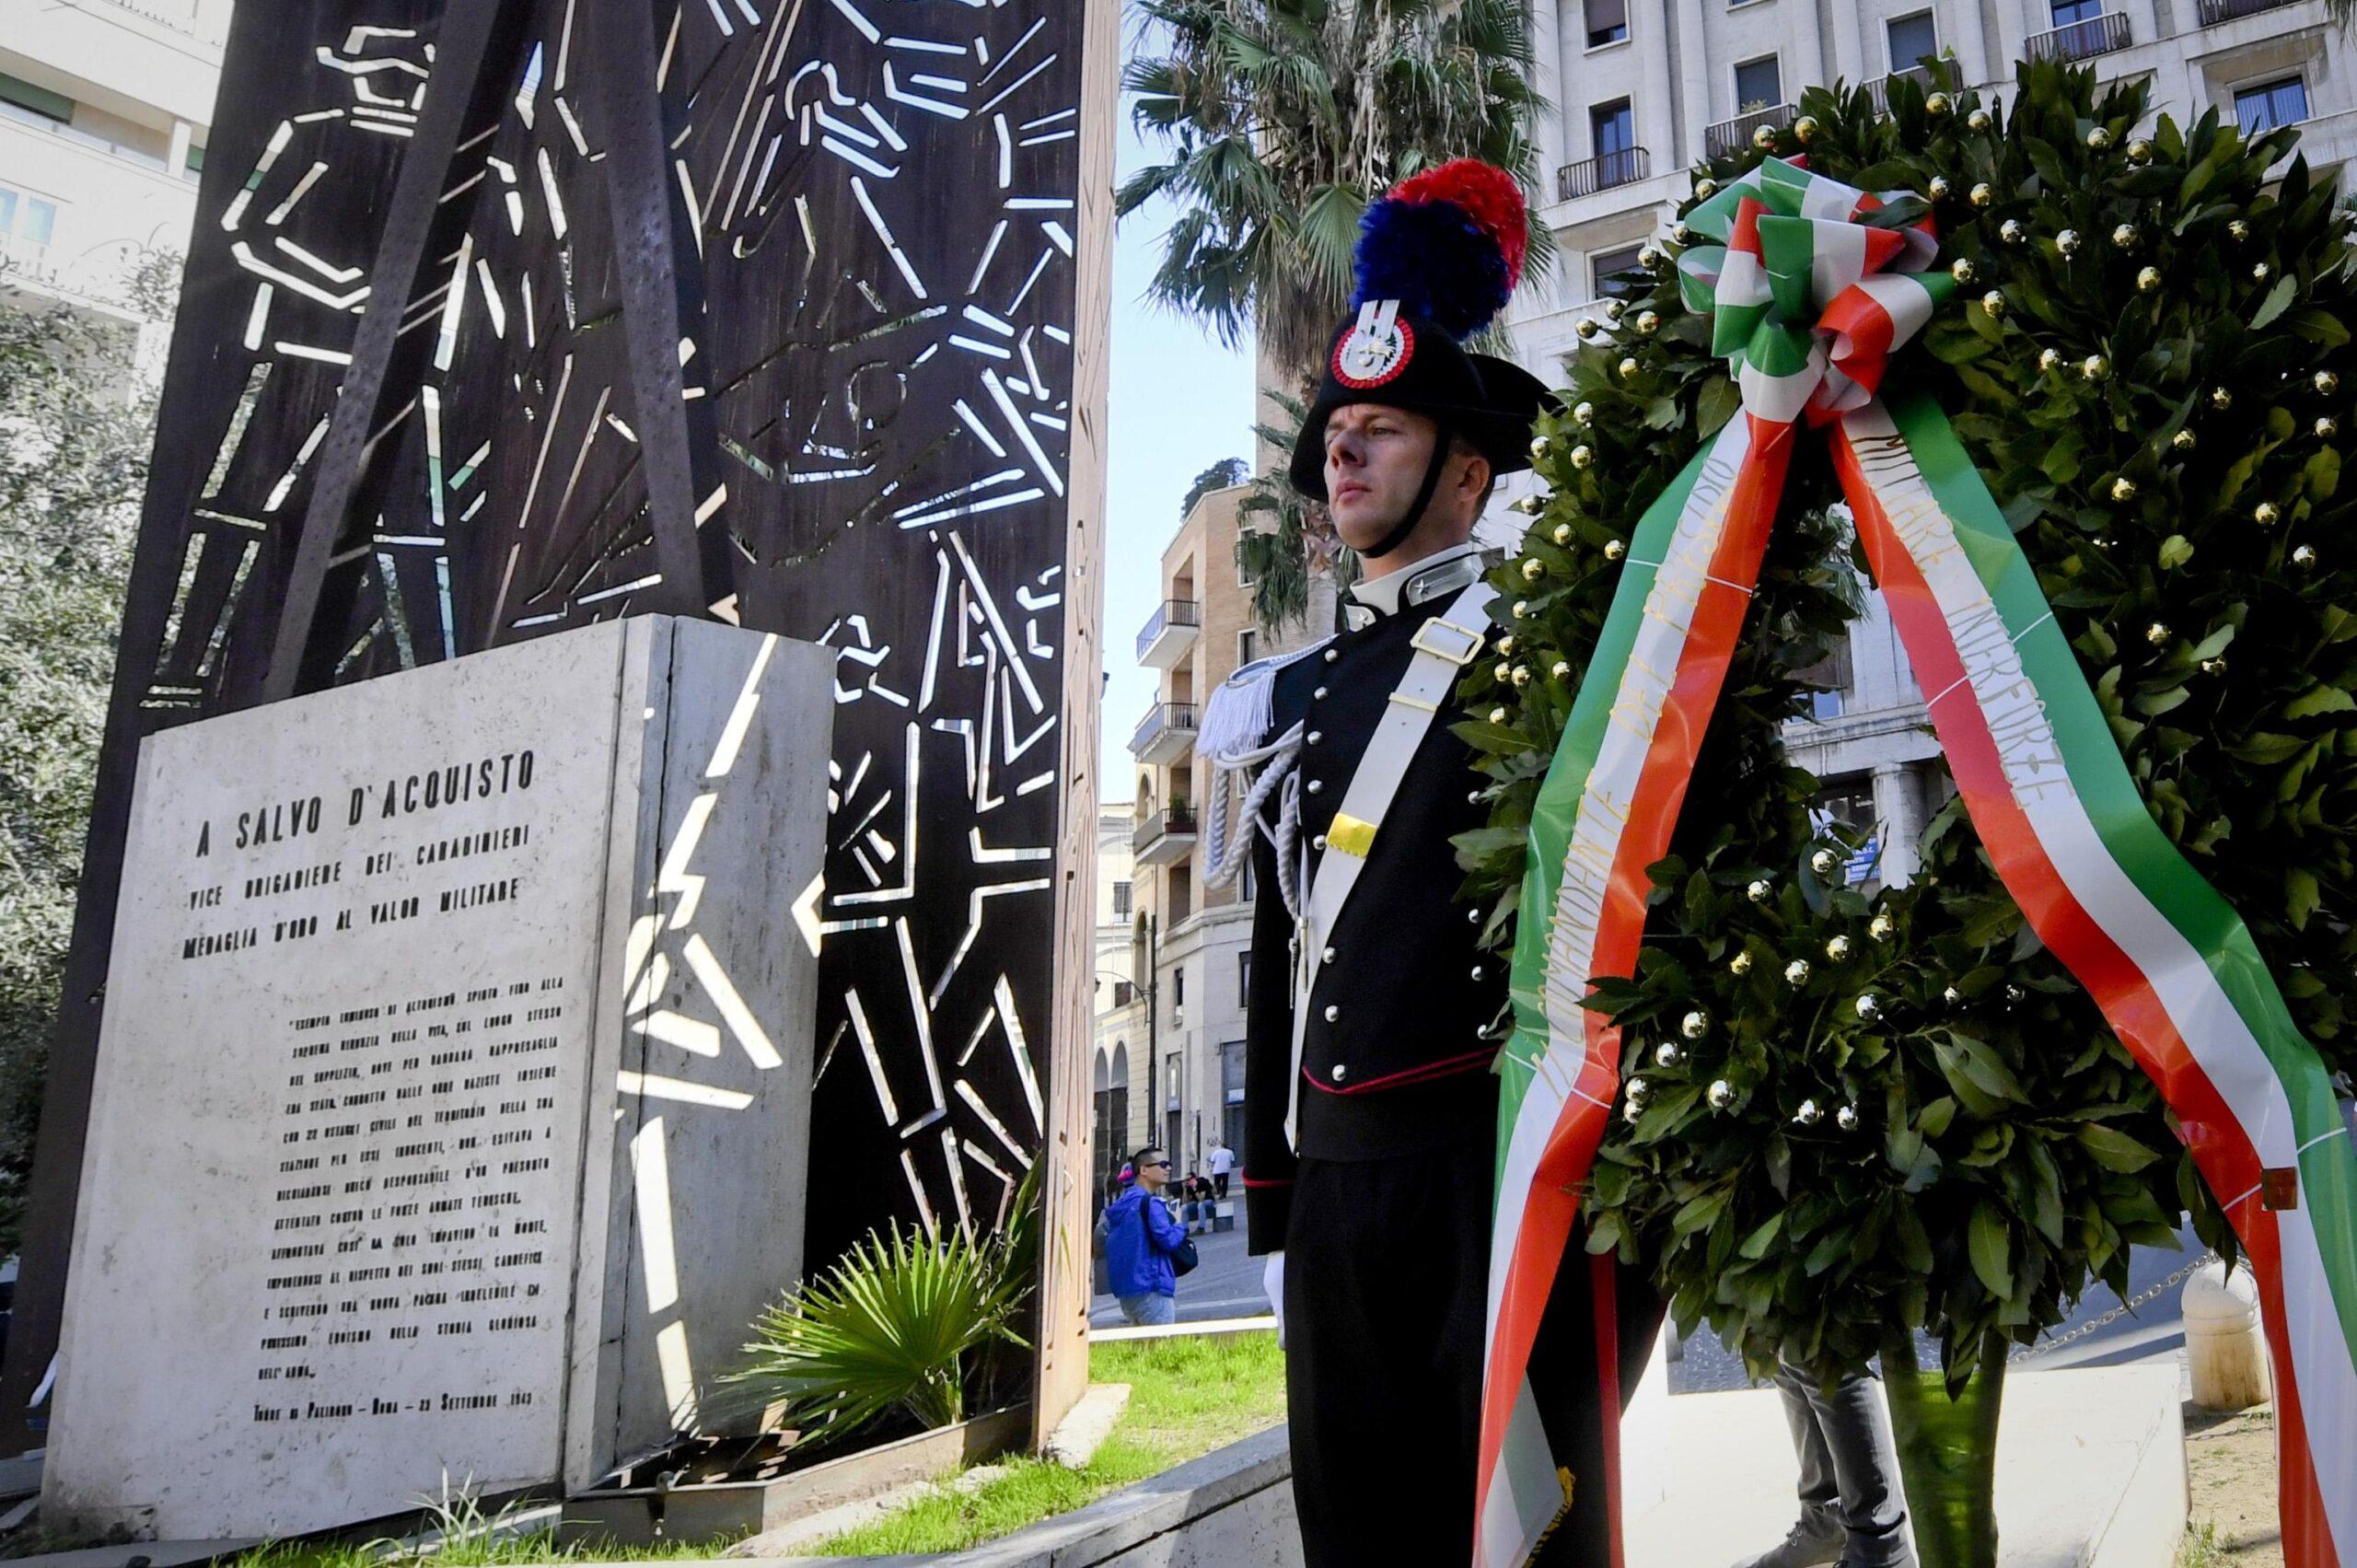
(2099, 34)
(1164, 836)
(1166, 732)
(1169, 634)
(1602, 172)
(1728, 135)
(2213, 12)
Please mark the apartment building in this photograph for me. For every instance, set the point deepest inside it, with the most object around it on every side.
(1194, 941)
(1120, 1120)
(1645, 89)
(105, 107)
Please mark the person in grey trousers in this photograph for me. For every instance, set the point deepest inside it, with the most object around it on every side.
(1852, 1515)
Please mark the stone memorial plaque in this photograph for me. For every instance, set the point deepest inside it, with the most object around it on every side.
(453, 1100)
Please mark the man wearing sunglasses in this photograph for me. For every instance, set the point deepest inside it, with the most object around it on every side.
(1139, 1237)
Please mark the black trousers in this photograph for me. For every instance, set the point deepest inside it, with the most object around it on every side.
(1387, 1276)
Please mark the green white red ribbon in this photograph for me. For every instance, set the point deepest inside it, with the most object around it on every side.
(1809, 303)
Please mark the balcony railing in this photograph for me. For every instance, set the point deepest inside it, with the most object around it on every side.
(1177, 612)
(1729, 135)
(2213, 12)
(1602, 172)
(1879, 89)
(2080, 40)
(1159, 825)
(1162, 721)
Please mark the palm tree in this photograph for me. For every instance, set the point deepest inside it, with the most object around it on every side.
(1279, 119)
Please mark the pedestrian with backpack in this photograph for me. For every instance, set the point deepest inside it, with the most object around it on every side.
(1145, 1249)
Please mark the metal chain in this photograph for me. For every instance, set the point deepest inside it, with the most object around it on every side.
(2105, 1319)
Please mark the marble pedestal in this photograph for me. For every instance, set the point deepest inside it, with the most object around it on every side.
(452, 1105)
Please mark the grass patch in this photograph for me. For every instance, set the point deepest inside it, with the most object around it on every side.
(472, 1552)
(1188, 1396)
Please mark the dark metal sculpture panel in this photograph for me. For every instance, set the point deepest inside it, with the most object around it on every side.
(757, 309)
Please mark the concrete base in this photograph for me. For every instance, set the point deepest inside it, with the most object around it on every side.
(2090, 1474)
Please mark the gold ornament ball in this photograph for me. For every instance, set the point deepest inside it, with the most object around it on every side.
(1796, 972)
(1588, 327)
(1521, 607)
(1497, 716)
(1706, 186)
(1615, 308)
(1632, 1112)
(1837, 949)
(1758, 893)
(1952, 996)
(1982, 194)
(1869, 1007)
(1978, 121)
(1805, 127)
(2182, 440)
(2265, 515)
(2259, 271)
(1993, 302)
(1720, 1094)
(1526, 504)
(1503, 673)
(1669, 1054)
(1681, 233)
(2222, 399)
(1522, 675)
(1847, 1117)
(1537, 447)
(1585, 414)
(2099, 138)
(1614, 550)
(2067, 242)
(2011, 231)
(1561, 670)
(1533, 569)
(2125, 237)
(1882, 928)
(2048, 359)
(1824, 861)
(2123, 489)
(1961, 270)
(2213, 667)
(2149, 279)
(1649, 256)
(2095, 367)
(1695, 1025)
(1505, 648)
(2326, 381)
(1740, 963)
(2328, 427)
(2157, 634)
(1563, 533)
(2139, 151)
(2238, 231)
(1628, 369)
(1937, 103)
(1940, 188)
(1648, 322)
(1764, 138)
(2304, 558)
(1582, 456)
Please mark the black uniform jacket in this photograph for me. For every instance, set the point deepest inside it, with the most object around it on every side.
(1395, 1059)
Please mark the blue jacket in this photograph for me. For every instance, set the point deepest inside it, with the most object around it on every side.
(1140, 1236)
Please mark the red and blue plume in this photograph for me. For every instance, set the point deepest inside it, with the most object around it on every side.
(1447, 244)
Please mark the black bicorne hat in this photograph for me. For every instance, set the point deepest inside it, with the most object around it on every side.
(1437, 258)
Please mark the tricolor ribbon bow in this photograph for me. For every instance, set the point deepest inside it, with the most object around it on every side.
(1808, 298)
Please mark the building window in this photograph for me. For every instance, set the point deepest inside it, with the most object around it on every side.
(1616, 272)
(2271, 105)
(1247, 646)
(1758, 83)
(1244, 885)
(1231, 1072)
(1243, 980)
(1179, 986)
(2068, 11)
(1833, 675)
(26, 219)
(1121, 897)
(19, 94)
(1611, 128)
(1913, 39)
(1607, 22)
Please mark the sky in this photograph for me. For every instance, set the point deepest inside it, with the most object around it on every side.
(1179, 402)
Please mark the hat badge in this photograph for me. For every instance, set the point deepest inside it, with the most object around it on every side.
(1376, 348)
